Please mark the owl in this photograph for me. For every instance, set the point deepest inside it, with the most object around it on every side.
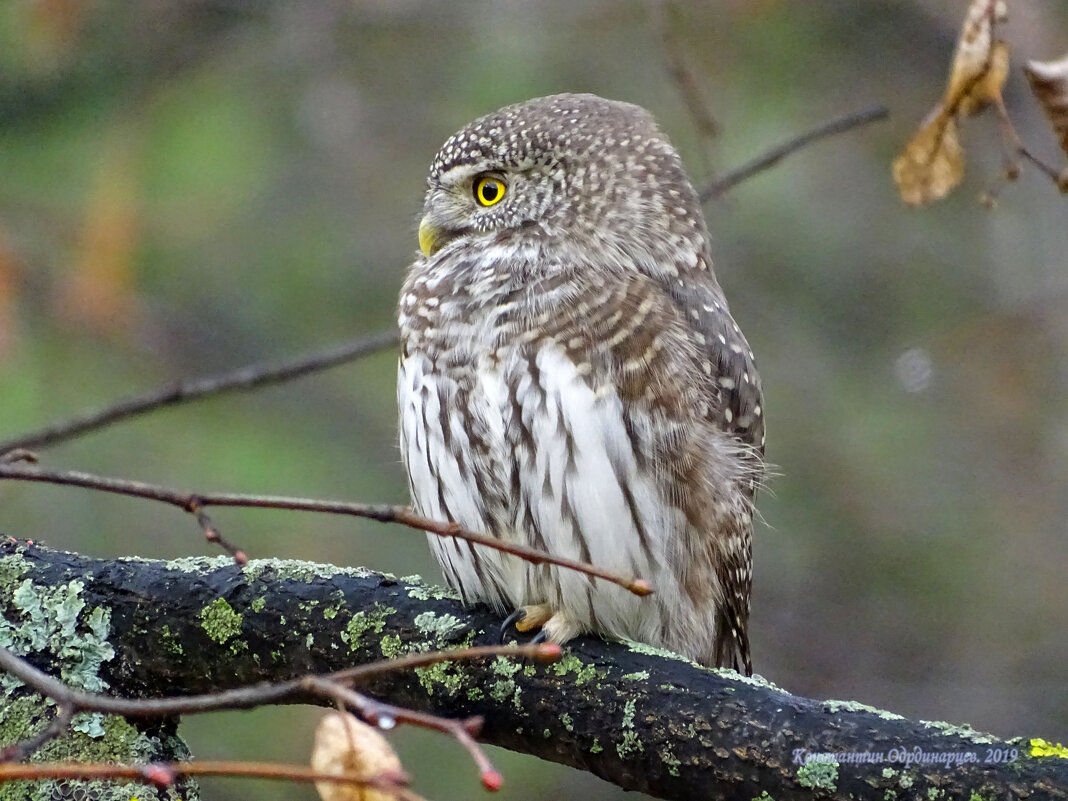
(571, 379)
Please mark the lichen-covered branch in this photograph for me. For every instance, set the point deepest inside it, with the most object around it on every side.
(640, 718)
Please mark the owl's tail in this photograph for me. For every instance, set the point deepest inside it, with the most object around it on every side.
(731, 648)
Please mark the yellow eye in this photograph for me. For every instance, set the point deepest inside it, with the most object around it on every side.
(489, 190)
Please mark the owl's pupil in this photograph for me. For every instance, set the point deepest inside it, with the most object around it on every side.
(489, 191)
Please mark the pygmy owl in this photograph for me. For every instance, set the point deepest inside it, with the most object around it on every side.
(571, 379)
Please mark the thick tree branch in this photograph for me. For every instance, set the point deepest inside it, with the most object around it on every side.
(641, 719)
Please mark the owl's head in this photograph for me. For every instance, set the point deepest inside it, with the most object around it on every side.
(567, 175)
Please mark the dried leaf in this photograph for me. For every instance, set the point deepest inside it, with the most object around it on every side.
(933, 162)
(1049, 83)
(980, 64)
(345, 744)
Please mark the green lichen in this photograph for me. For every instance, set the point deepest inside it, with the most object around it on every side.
(763, 796)
(649, 650)
(421, 591)
(299, 570)
(818, 775)
(475, 694)
(933, 793)
(220, 621)
(596, 748)
(963, 730)
(976, 797)
(373, 620)
(54, 621)
(572, 664)
(629, 744)
(259, 604)
(854, 706)
(192, 564)
(641, 675)
(566, 719)
(391, 646)
(91, 724)
(505, 687)
(529, 671)
(170, 641)
(668, 757)
(546, 733)
(331, 612)
(12, 568)
(889, 773)
(449, 676)
(50, 620)
(437, 627)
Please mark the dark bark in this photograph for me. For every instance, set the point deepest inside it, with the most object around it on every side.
(640, 719)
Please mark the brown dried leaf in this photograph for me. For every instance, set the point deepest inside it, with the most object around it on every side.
(1049, 84)
(933, 161)
(980, 64)
(345, 744)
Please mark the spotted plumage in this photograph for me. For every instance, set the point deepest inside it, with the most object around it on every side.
(571, 379)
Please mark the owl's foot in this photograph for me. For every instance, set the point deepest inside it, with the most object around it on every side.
(555, 626)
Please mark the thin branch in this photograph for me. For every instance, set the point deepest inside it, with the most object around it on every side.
(245, 378)
(377, 713)
(164, 774)
(679, 71)
(249, 696)
(16, 752)
(723, 183)
(384, 513)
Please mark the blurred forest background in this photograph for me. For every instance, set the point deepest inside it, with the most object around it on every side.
(189, 186)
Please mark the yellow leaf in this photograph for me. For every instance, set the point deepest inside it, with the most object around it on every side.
(345, 744)
(1049, 83)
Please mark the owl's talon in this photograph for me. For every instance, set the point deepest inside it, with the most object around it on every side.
(516, 616)
(533, 617)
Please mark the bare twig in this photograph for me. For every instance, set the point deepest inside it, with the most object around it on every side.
(1015, 149)
(679, 71)
(379, 713)
(245, 378)
(163, 774)
(16, 752)
(333, 685)
(723, 183)
(249, 696)
(384, 513)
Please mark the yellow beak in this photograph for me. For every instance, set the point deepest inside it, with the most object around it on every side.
(429, 236)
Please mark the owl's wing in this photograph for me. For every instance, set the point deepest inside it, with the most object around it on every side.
(693, 412)
(738, 407)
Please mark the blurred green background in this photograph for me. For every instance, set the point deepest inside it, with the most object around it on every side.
(189, 186)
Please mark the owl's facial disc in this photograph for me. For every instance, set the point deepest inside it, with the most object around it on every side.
(466, 201)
